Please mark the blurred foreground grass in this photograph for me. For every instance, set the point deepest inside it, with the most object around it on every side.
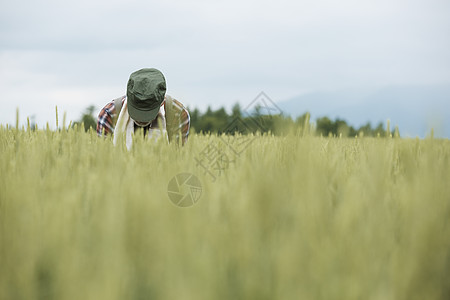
(291, 218)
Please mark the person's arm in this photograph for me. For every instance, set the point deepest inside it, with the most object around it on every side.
(105, 119)
(185, 123)
(178, 121)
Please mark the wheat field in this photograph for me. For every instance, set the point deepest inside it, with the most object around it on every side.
(290, 217)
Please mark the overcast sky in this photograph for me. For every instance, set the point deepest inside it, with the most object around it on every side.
(77, 53)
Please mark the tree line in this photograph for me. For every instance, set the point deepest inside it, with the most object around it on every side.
(220, 121)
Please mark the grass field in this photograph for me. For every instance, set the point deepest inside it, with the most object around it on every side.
(291, 218)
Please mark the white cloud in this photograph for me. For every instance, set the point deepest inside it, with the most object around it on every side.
(215, 52)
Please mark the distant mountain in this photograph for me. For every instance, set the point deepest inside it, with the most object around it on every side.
(415, 109)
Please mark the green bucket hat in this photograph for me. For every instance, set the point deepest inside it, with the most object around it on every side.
(145, 92)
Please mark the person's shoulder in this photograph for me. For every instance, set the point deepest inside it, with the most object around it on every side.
(175, 102)
(110, 107)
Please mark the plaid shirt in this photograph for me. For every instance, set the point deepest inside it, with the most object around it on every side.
(107, 119)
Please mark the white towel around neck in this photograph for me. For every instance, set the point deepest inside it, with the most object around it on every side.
(125, 126)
